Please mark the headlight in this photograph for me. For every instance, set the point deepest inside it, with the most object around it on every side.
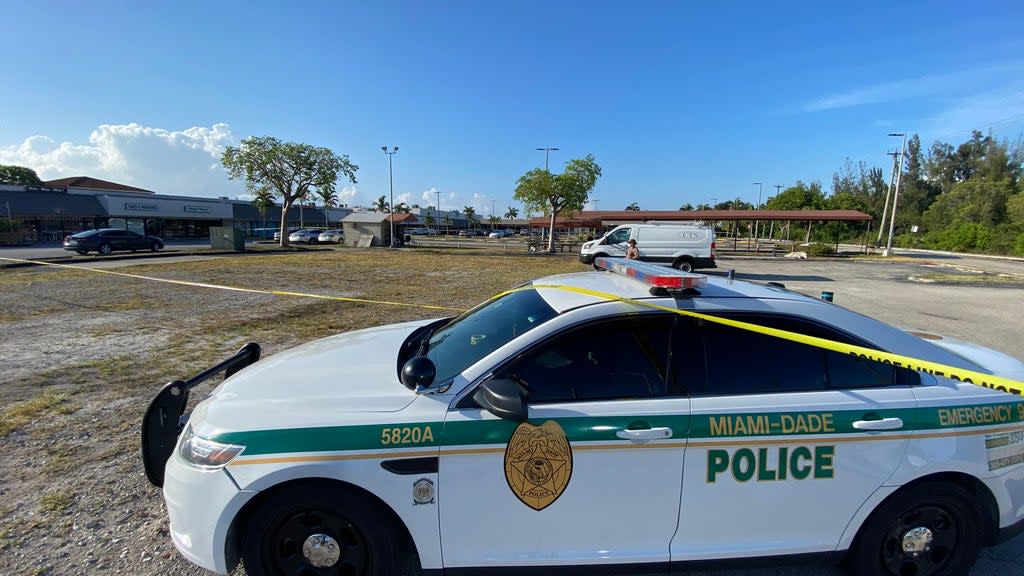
(207, 454)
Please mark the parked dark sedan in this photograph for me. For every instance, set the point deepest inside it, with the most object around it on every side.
(107, 240)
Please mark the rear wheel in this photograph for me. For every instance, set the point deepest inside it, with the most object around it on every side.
(105, 249)
(934, 529)
(317, 528)
(155, 246)
(683, 264)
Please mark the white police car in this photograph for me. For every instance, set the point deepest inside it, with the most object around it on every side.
(607, 420)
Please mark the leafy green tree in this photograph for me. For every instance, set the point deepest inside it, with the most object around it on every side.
(512, 213)
(470, 213)
(402, 208)
(493, 220)
(633, 207)
(287, 170)
(542, 190)
(381, 205)
(686, 207)
(429, 219)
(19, 176)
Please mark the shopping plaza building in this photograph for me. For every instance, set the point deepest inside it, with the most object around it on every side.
(61, 207)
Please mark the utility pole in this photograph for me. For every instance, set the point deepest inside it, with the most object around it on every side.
(546, 151)
(896, 193)
(888, 194)
(391, 185)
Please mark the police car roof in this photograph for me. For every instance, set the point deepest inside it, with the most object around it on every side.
(572, 289)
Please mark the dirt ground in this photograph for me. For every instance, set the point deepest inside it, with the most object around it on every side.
(84, 352)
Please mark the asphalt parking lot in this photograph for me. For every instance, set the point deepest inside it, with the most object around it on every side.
(962, 303)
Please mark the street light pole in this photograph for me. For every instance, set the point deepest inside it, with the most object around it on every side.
(546, 151)
(896, 193)
(757, 223)
(437, 210)
(391, 186)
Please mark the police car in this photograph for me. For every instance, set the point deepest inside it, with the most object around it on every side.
(639, 419)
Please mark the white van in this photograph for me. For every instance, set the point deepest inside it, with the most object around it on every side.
(684, 246)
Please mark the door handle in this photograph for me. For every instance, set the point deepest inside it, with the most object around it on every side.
(883, 424)
(645, 434)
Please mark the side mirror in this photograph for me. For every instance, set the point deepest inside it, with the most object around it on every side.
(502, 398)
(418, 372)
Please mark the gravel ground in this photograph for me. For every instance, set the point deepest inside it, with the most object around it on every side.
(83, 354)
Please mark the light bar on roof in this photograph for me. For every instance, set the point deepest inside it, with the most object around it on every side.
(652, 274)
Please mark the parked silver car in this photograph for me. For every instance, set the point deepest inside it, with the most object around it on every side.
(306, 235)
(332, 236)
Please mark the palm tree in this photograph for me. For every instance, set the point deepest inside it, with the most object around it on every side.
(493, 220)
(330, 200)
(381, 205)
(686, 207)
(447, 222)
(633, 207)
(512, 213)
(402, 207)
(470, 213)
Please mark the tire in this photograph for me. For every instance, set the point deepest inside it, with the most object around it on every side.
(155, 246)
(105, 249)
(683, 264)
(313, 241)
(947, 512)
(293, 516)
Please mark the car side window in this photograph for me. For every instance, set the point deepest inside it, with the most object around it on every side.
(619, 236)
(744, 362)
(620, 359)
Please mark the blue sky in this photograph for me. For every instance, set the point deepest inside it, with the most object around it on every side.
(678, 101)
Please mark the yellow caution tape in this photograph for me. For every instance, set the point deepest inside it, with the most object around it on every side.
(928, 367)
(234, 288)
(969, 376)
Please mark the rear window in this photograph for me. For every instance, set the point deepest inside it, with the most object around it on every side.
(85, 234)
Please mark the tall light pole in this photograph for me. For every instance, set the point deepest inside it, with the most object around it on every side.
(391, 186)
(896, 193)
(437, 210)
(757, 223)
(888, 193)
(546, 152)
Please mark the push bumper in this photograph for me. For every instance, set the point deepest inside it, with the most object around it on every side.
(587, 258)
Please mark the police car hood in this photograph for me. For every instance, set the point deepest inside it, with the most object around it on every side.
(990, 360)
(351, 372)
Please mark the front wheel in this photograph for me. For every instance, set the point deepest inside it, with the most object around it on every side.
(155, 246)
(319, 529)
(105, 249)
(931, 530)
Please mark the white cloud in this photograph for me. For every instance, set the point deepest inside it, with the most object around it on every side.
(998, 110)
(347, 195)
(183, 163)
(919, 87)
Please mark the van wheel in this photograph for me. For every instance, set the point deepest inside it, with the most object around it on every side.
(931, 530)
(683, 264)
(319, 528)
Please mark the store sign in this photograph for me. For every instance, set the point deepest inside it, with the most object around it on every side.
(197, 209)
(140, 206)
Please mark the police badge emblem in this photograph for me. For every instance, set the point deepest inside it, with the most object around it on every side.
(538, 463)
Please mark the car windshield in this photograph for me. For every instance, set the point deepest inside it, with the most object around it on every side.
(477, 333)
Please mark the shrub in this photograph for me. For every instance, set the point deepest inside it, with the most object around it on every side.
(819, 249)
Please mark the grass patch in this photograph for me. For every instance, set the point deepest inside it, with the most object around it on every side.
(56, 502)
(978, 278)
(44, 405)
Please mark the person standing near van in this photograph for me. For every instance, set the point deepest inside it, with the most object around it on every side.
(632, 252)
